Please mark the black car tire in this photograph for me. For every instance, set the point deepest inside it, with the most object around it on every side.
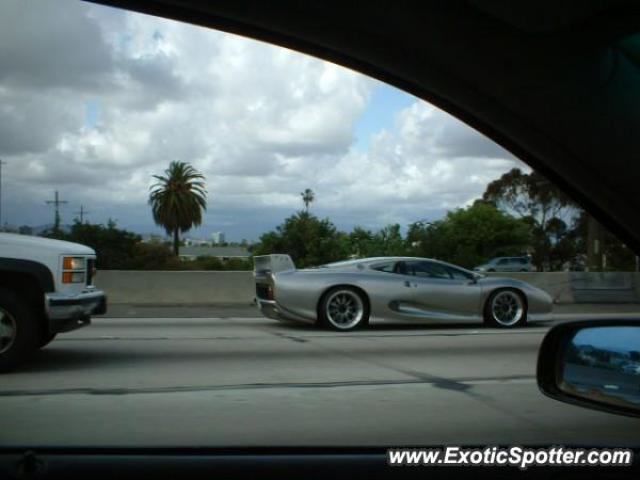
(360, 301)
(517, 296)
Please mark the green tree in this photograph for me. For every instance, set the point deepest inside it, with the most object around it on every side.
(470, 236)
(360, 243)
(544, 207)
(307, 198)
(309, 240)
(388, 241)
(154, 256)
(618, 256)
(115, 248)
(178, 199)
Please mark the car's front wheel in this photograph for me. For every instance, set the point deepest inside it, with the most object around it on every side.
(343, 309)
(19, 330)
(505, 309)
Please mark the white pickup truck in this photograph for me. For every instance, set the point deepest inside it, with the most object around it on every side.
(46, 287)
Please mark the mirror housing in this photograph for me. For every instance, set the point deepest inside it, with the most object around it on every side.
(593, 364)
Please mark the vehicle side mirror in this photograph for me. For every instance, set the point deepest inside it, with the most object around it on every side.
(593, 364)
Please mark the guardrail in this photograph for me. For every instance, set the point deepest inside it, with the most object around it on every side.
(158, 288)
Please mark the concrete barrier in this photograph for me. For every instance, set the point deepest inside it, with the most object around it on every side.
(158, 288)
(176, 288)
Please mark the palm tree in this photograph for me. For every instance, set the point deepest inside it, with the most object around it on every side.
(307, 197)
(178, 199)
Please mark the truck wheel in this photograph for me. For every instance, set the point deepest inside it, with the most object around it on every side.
(19, 330)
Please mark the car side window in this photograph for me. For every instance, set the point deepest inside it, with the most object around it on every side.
(459, 274)
(503, 261)
(428, 270)
(386, 267)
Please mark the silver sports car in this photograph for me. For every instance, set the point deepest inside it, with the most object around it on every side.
(346, 295)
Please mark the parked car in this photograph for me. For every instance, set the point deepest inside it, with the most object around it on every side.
(346, 295)
(46, 287)
(507, 264)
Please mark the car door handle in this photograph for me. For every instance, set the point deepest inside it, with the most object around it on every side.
(407, 283)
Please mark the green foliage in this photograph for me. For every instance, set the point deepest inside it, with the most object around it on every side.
(544, 207)
(213, 263)
(386, 242)
(469, 237)
(558, 226)
(618, 256)
(307, 197)
(309, 240)
(115, 248)
(118, 249)
(178, 199)
(154, 256)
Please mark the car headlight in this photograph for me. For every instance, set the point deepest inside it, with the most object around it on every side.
(73, 269)
(73, 263)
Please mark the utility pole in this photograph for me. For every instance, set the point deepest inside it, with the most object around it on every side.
(1, 163)
(56, 202)
(82, 213)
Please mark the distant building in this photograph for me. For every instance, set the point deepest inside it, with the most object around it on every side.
(191, 242)
(189, 253)
(154, 238)
(218, 237)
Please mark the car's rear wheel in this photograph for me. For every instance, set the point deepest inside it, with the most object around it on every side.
(506, 308)
(19, 330)
(343, 309)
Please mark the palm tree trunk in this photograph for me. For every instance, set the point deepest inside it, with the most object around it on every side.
(176, 242)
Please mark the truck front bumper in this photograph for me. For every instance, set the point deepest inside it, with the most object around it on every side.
(67, 312)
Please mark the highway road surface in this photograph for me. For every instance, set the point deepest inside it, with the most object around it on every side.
(245, 380)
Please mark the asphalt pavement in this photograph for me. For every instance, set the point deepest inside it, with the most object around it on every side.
(244, 380)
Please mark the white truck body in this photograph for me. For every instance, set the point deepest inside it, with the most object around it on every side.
(51, 280)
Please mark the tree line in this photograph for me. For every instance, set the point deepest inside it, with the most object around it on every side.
(519, 214)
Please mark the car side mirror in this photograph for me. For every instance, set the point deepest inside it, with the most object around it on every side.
(593, 364)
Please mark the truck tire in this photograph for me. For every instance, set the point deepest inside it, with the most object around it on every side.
(20, 330)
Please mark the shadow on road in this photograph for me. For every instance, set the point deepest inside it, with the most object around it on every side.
(401, 327)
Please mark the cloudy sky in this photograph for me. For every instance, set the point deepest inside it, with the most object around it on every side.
(94, 100)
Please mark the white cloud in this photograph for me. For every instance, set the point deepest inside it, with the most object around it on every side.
(261, 122)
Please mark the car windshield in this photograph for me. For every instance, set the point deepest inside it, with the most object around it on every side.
(196, 177)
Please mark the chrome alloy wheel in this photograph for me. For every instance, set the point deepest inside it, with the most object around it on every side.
(8, 330)
(344, 309)
(507, 308)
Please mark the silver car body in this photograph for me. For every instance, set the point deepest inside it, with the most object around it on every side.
(283, 292)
